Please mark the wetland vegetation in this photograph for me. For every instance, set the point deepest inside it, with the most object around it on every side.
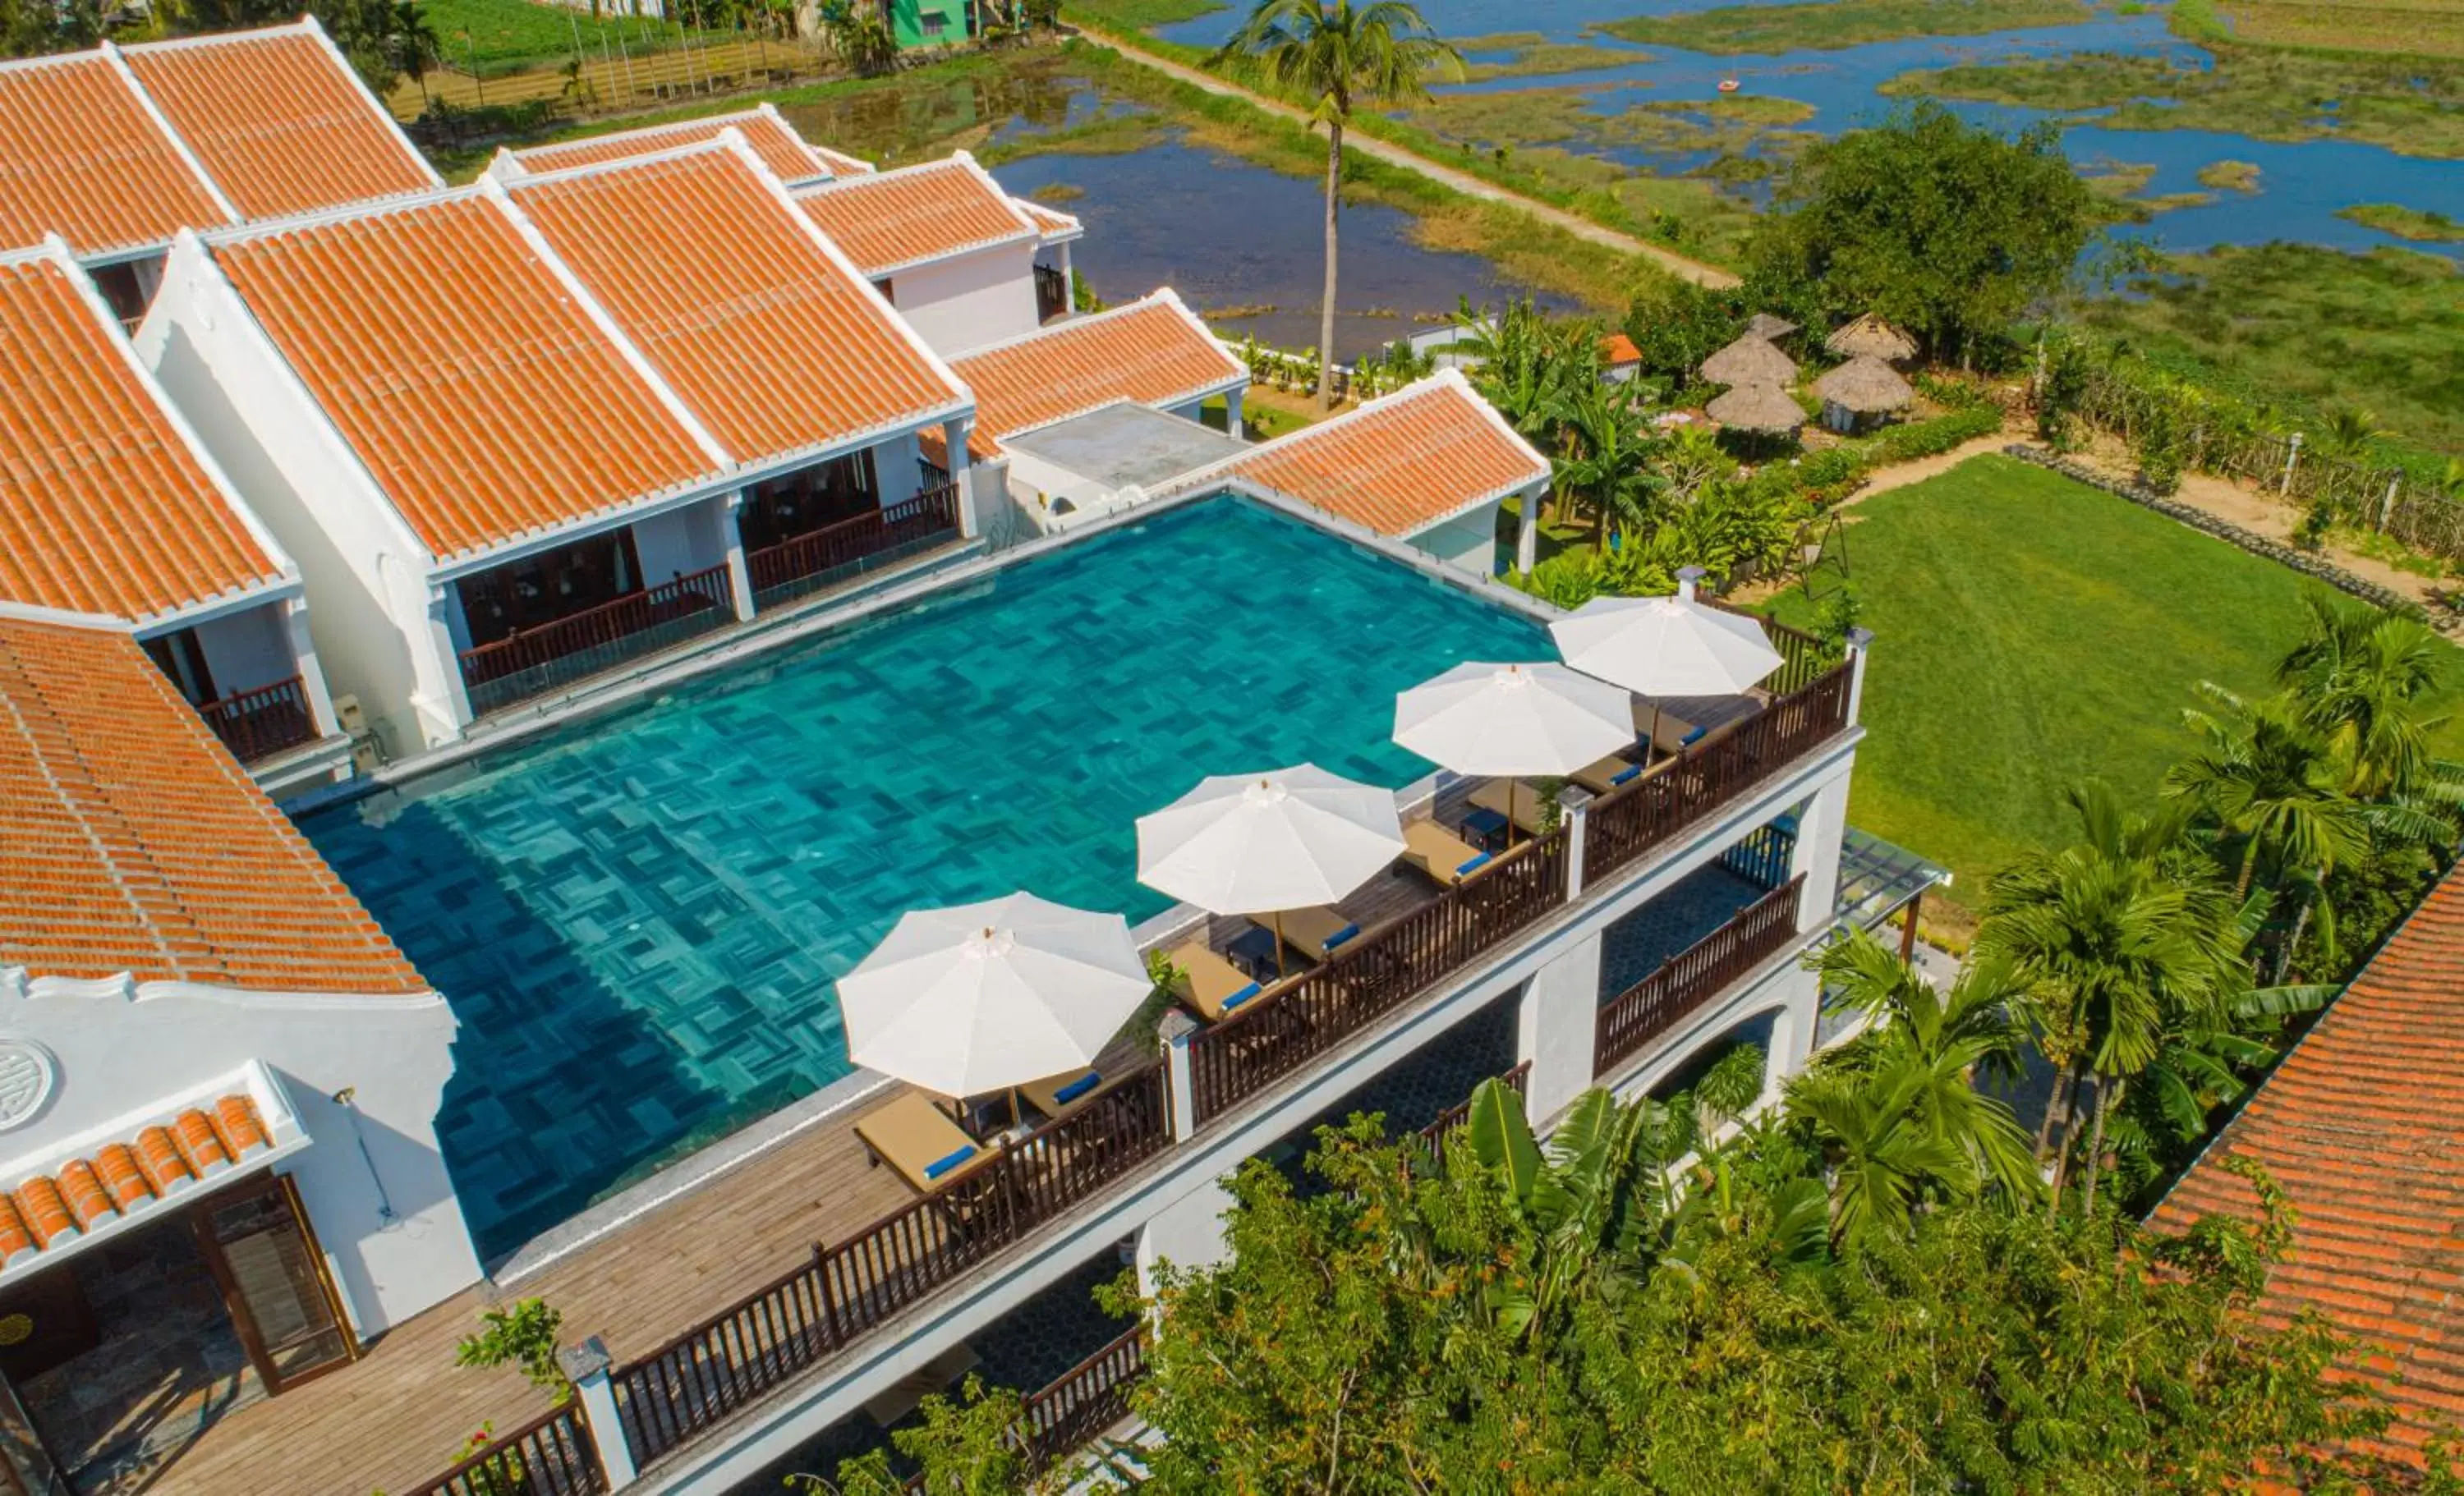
(1830, 25)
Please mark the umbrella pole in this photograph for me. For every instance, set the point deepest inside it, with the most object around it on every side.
(1510, 785)
(1279, 945)
(1650, 744)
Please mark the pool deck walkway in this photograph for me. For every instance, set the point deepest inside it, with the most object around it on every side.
(1682, 267)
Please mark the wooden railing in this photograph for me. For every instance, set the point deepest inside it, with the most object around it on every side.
(1286, 1025)
(1802, 655)
(810, 562)
(844, 1291)
(550, 1455)
(260, 723)
(1087, 1399)
(533, 660)
(1625, 824)
(1686, 980)
(1763, 857)
(1446, 1121)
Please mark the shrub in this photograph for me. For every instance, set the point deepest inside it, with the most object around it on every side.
(523, 1335)
(1932, 438)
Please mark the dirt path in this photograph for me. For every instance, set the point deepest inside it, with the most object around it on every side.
(1881, 480)
(1679, 265)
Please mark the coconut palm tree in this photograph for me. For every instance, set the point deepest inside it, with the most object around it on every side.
(1336, 57)
(2120, 952)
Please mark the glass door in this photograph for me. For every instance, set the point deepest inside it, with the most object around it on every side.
(272, 1276)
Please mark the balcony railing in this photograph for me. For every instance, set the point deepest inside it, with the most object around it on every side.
(1685, 981)
(260, 723)
(1454, 1116)
(827, 557)
(846, 1291)
(1051, 293)
(535, 661)
(1087, 1399)
(550, 1455)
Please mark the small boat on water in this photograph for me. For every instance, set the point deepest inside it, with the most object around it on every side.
(1729, 85)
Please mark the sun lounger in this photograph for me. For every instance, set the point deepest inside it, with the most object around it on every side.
(1210, 983)
(1065, 1092)
(1439, 853)
(1526, 801)
(1611, 773)
(1316, 933)
(1672, 732)
(925, 1148)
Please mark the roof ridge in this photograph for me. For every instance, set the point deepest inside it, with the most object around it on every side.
(1153, 298)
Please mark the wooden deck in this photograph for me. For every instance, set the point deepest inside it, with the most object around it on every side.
(404, 1411)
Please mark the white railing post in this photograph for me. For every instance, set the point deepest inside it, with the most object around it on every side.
(585, 1366)
(1177, 1030)
(1860, 642)
(2292, 455)
(2386, 500)
(1574, 811)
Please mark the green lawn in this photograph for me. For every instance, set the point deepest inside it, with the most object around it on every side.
(2033, 632)
(498, 35)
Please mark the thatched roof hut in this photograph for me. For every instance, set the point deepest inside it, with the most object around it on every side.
(1756, 407)
(1869, 336)
(1865, 386)
(1749, 361)
(1769, 328)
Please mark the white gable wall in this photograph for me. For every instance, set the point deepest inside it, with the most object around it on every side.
(365, 574)
(1467, 541)
(971, 300)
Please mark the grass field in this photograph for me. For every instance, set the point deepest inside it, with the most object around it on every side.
(2032, 632)
(1835, 24)
(501, 35)
(2306, 329)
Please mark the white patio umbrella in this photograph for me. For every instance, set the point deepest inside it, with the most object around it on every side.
(1667, 646)
(1509, 721)
(1239, 843)
(983, 997)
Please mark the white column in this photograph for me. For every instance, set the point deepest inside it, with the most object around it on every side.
(1574, 804)
(312, 675)
(955, 432)
(1861, 649)
(1232, 415)
(1187, 1233)
(1792, 1028)
(1527, 540)
(585, 1366)
(1556, 1025)
(1821, 821)
(446, 633)
(1069, 284)
(740, 578)
(1176, 1030)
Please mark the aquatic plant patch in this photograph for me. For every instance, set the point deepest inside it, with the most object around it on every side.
(1837, 24)
(2406, 223)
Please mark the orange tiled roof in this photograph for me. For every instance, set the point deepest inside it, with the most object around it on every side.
(1400, 464)
(461, 370)
(130, 842)
(893, 219)
(81, 157)
(1048, 223)
(770, 343)
(1151, 351)
(840, 164)
(2362, 1127)
(279, 120)
(1617, 348)
(772, 138)
(119, 1180)
(104, 507)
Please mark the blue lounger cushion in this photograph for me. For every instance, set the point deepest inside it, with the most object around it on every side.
(1341, 935)
(1240, 997)
(1693, 736)
(1078, 1088)
(1466, 869)
(949, 1161)
(1625, 774)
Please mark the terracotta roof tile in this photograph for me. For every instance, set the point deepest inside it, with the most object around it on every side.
(1049, 224)
(772, 138)
(1153, 351)
(1400, 464)
(895, 219)
(104, 507)
(115, 1183)
(136, 845)
(2362, 1127)
(767, 339)
(1618, 349)
(81, 157)
(462, 371)
(842, 164)
(279, 120)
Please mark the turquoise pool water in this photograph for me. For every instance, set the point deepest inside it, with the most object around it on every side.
(638, 919)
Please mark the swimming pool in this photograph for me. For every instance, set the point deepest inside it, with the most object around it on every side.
(638, 919)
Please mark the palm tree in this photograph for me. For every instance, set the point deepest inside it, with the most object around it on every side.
(2272, 786)
(1946, 1038)
(1519, 365)
(1881, 1152)
(2350, 434)
(415, 43)
(1582, 1201)
(1337, 56)
(1612, 466)
(2120, 950)
(2357, 677)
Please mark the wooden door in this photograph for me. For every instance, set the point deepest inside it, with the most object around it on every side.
(261, 1249)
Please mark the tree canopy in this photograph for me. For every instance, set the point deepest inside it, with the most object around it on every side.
(1943, 227)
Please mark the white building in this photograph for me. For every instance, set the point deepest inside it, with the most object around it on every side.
(574, 418)
(956, 254)
(111, 508)
(119, 149)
